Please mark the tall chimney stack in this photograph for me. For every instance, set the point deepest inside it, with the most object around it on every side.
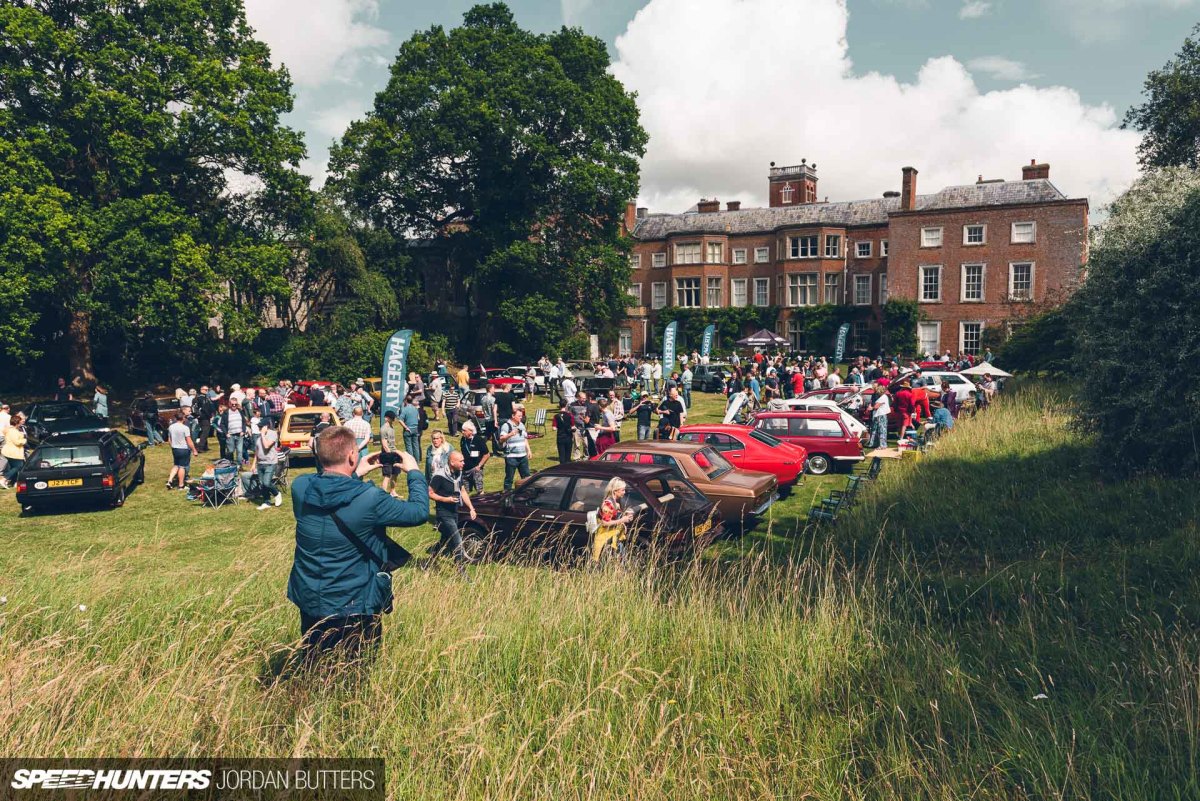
(630, 220)
(1033, 171)
(908, 190)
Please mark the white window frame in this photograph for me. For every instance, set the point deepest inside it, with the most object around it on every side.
(793, 286)
(836, 239)
(624, 334)
(733, 292)
(635, 260)
(833, 280)
(1012, 238)
(962, 278)
(699, 252)
(921, 283)
(655, 289)
(883, 248)
(937, 325)
(739, 255)
(966, 229)
(860, 335)
(795, 246)
(962, 335)
(785, 194)
(870, 288)
(635, 292)
(859, 248)
(1012, 265)
(682, 292)
(883, 289)
(927, 236)
(708, 288)
(709, 248)
(794, 332)
(658, 260)
(762, 255)
(765, 283)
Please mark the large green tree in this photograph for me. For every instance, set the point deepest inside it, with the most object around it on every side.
(146, 183)
(1138, 326)
(1170, 117)
(515, 152)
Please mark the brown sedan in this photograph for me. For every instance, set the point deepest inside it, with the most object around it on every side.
(737, 493)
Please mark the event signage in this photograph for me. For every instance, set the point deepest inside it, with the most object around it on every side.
(706, 345)
(395, 371)
(841, 343)
(669, 346)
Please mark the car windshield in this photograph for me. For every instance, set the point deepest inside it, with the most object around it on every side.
(52, 456)
(712, 463)
(60, 411)
(302, 423)
(765, 438)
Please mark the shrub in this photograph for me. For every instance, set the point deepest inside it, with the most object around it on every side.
(1139, 332)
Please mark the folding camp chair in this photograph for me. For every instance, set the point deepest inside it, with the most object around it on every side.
(280, 478)
(538, 427)
(225, 487)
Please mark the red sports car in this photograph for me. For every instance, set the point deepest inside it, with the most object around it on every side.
(751, 450)
(496, 377)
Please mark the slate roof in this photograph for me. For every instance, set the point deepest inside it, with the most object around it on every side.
(844, 213)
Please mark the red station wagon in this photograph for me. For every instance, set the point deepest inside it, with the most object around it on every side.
(750, 449)
(823, 434)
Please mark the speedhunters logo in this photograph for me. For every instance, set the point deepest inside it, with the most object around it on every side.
(193, 779)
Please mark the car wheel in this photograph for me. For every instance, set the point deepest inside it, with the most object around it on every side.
(478, 542)
(119, 496)
(818, 464)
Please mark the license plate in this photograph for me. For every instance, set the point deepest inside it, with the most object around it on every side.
(65, 482)
(702, 529)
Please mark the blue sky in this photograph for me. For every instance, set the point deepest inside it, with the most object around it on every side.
(956, 88)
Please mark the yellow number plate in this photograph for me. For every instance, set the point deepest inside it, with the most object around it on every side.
(65, 482)
(702, 529)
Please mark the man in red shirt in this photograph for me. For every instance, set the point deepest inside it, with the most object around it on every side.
(904, 408)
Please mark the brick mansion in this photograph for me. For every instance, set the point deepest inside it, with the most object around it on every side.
(973, 257)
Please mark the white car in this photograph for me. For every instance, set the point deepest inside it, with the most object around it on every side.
(961, 384)
(522, 371)
(856, 426)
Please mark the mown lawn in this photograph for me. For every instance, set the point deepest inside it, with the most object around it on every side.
(993, 620)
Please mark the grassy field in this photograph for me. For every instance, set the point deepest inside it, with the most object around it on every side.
(993, 621)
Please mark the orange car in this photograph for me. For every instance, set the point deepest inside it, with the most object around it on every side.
(295, 430)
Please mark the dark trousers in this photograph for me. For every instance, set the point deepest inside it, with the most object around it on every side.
(204, 425)
(564, 451)
(351, 635)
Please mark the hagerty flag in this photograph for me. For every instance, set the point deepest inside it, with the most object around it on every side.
(395, 371)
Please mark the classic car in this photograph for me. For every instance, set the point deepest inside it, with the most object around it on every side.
(166, 406)
(549, 511)
(521, 371)
(300, 394)
(739, 494)
(53, 418)
(750, 449)
(496, 377)
(825, 436)
(711, 377)
(295, 430)
(98, 466)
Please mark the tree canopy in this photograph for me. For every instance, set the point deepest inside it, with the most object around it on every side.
(1138, 326)
(1170, 117)
(130, 131)
(514, 153)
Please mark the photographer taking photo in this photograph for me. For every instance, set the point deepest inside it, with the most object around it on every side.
(341, 579)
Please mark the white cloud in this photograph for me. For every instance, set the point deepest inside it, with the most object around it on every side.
(1001, 68)
(974, 9)
(721, 98)
(320, 41)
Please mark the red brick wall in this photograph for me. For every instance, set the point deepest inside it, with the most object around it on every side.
(1058, 253)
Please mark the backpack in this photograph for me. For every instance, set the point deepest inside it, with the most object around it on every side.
(424, 418)
(202, 405)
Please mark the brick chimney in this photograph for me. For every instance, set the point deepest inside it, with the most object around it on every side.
(908, 190)
(630, 220)
(733, 205)
(706, 206)
(1034, 171)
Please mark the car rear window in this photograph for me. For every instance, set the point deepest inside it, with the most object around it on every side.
(66, 411)
(302, 423)
(712, 463)
(53, 456)
(823, 428)
(765, 438)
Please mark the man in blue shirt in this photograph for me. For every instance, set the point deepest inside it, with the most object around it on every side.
(410, 421)
(340, 580)
(942, 418)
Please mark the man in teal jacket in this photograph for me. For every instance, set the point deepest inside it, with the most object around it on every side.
(339, 584)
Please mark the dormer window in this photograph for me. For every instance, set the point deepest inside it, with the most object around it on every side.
(785, 194)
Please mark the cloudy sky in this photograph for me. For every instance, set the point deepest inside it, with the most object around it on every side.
(955, 88)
